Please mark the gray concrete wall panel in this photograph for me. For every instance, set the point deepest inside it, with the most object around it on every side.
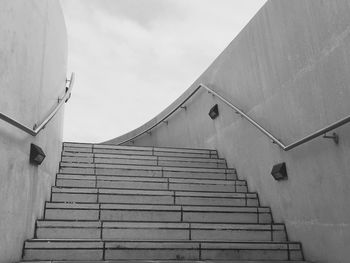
(33, 58)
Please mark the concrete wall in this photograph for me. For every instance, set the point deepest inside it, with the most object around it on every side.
(289, 70)
(33, 56)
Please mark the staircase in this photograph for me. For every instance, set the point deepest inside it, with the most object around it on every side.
(126, 203)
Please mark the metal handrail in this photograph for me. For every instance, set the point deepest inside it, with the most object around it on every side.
(37, 128)
(254, 123)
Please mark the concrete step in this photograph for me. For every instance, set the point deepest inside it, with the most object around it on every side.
(89, 157)
(238, 186)
(141, 148)
(164, 261)
(157, 183)
(159, 250)
(148, 179)
(68, 229)
(146, 160)
(135, 150)
(83, 180)
(137, 196)
(150, 171)
(156, 213)
(159, 231)
(77, 152)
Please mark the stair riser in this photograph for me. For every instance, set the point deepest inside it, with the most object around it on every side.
(148, 179)
(160, 254)
(150, 216)
(76, 183)
(112, 184)
(192, 164)
(156, 216)
(220, 254)
(129, 199)
(200, 175)
(90, 157)
(132, 185)
(122, 199)
(115, 172)
(97, 147)
(68, 233)
(154, 173)
(238, 235)
(87, 161)
(164, 254)
(208, 188)
(63, 254)
(151, 186)
(142, 153)
(204, 254)
(59, 214)
(159, 234)
(72, 198)
(144, 167)
(217, 201)
(226, 217)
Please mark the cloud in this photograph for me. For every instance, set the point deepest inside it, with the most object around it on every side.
(134, 57)
(144, 12)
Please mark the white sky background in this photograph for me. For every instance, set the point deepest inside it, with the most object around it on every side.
(132, 58)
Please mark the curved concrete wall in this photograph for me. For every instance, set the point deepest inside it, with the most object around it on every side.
(289, 70)
(33, 58)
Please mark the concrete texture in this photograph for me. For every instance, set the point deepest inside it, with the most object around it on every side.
(289, 70)
(33, 54)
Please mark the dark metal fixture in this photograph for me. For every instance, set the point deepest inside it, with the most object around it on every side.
(279, 171)
(37, 154)
(334, 137)
(214, 112)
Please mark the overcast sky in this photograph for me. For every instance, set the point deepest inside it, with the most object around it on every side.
(132, 58)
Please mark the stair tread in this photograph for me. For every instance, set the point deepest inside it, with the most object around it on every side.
(114, 146)
(165, 261)
(222, 226)
(149, 179)
(147, 167)
(51, 242)
(69, 176)
(106, 163)
(156, 207)
(160, 160)
(122, 177)
(123, 172)
(65, 189)
(100, 190)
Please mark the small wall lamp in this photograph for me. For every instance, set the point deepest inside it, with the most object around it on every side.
(37, 154)
(279, 171)
(214, 112)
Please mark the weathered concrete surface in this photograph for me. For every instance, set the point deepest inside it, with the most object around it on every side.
(33, 53)
(289, 70)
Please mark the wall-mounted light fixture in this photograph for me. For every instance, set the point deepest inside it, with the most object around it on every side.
(214, 112)
(279, 171)
(37, 154)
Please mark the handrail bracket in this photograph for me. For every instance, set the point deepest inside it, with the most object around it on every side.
(334, 137)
